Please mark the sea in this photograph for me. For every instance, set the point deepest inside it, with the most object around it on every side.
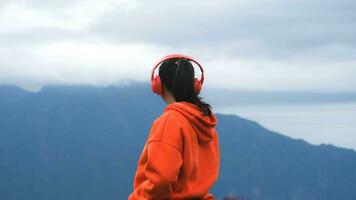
(316, 123)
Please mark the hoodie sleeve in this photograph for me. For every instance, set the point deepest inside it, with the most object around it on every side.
(163, 162)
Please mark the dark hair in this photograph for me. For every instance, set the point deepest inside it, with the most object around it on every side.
(177, 75)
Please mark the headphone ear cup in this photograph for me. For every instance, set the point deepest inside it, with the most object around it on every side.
(156, 85)
(197, 85)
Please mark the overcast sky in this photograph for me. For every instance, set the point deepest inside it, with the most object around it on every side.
(250, 45)
(246, 44)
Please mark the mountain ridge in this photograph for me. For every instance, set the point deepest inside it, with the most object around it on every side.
(70, 142)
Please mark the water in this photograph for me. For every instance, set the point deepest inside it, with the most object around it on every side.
(330, 123)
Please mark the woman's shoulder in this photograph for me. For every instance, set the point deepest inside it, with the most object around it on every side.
(170, 116)
(167, 128)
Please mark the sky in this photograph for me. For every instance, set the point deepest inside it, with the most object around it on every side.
(268, 46)
(247, 44)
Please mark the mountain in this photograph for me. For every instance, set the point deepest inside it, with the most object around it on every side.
(83, 142)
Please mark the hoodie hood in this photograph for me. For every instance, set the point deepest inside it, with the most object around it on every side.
(204, 126)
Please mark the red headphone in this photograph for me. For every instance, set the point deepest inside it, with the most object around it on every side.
(156, 81)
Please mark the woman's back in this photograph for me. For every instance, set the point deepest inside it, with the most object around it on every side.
(180, 159)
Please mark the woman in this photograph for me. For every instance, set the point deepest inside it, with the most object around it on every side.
(180, 159)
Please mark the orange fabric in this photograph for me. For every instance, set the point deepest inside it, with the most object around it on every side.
(180, 159)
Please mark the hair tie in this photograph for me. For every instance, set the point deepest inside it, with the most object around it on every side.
(176, 72)
(177, 63)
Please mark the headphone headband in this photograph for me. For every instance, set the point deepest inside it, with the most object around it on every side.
(178, 56)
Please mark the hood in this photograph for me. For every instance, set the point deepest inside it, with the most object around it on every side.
(204, 126)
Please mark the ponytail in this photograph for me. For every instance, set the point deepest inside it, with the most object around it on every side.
(205, 107)
(178, 77)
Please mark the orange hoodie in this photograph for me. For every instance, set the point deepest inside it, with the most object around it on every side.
(181, 158)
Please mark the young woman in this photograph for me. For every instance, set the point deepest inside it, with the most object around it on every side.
(180, 159)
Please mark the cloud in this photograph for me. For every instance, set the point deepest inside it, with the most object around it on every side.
(262, 45)
(274, 28)
(273, 48)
